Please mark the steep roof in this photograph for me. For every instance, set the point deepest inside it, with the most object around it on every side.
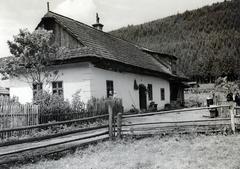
(103, 45)
(158, 53)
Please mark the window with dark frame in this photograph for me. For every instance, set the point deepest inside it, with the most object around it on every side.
(150, 92)
(162, 94)
(57, 88)
(109, 84)
(37, 87)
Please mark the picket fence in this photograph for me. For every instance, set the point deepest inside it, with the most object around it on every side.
(13, 115)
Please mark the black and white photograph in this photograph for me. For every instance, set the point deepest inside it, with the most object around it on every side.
(119, 84)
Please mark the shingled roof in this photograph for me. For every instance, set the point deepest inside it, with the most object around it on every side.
(104, 45)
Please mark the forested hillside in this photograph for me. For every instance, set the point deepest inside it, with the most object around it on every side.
(206, 41)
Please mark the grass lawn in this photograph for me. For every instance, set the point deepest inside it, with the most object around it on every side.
(178, 152)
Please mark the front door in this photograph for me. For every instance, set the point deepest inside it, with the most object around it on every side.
(142, 97)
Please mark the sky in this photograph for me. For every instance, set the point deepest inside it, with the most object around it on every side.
(20, 14)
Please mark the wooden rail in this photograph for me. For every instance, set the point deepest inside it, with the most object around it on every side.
(41, 146)
(49, 147)
(108, 131)
(174, 111)
(175, 126)
(6, 133)
(54, 124)
(50, 136)
(178, 122)
(53, 144)
(162, 126)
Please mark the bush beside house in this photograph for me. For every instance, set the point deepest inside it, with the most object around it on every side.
(53, 107)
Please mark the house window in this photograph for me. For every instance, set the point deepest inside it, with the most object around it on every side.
(109, 88)
(150, 93)
(162, 94)
(37, 87)
(57, 88)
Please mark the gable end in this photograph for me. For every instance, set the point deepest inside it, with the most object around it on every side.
(63, 37)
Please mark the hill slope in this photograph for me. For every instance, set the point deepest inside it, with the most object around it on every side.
(206, 40)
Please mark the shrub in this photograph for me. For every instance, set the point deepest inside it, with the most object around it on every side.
(77, 103)
(52, 107)
(55, 108)
(52, 104)
(100, 106)
(224, 86)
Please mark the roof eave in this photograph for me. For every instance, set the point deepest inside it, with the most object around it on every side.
(158, 53)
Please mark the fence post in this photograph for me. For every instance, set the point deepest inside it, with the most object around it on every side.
(221, 111)
(232, 118)
(110, 121)
(38, 114)
(119, 125)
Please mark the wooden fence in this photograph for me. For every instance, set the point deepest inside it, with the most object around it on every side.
(140, 124)
(29, 147)
(46, 118)
(164, 122)
(176, 121)
(25, 134)
(26, 120)
(15, 115)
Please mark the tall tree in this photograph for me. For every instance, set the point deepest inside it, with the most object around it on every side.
(33, 54)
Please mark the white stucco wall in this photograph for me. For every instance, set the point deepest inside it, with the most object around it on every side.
(92, 82)
(123, 86)
(74, 76)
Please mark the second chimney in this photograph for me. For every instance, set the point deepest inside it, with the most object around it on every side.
(98, 25)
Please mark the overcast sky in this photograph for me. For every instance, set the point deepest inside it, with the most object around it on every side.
(16, 14)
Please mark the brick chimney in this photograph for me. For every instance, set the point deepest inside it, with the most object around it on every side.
(98, 25)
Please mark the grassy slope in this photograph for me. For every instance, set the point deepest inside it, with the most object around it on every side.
(154, 153)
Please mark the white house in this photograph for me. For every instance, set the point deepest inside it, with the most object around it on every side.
(101, 65)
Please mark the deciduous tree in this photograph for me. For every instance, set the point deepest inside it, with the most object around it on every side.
(32, 55)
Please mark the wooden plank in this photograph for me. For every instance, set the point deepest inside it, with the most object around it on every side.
(173, 111)
(119, 125)
(50, 150)
(53, 124)
(38, 114)
(178, 122)
(110, 121)
(192, 126)
(54, 143)
(232, 119)
(50, 136)
(167, 132)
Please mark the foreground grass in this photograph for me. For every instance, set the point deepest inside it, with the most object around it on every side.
(180, 152)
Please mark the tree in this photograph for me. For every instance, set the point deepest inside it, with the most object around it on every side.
(33, 54)
(206, 41)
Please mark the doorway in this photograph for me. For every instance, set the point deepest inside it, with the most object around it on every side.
(142, 97)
